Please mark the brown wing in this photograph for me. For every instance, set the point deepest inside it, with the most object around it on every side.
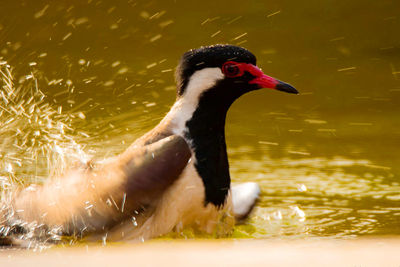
(149, 174)
(96, 198)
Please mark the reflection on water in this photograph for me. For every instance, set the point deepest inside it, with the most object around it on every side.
(327, 160)
(334, 197)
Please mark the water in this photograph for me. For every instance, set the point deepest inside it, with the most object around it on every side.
(327, 160)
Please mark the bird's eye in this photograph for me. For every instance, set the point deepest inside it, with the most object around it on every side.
(231, 69)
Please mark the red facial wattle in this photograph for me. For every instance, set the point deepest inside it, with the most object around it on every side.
(234, 69)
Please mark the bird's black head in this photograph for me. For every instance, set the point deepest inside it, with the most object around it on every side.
(235, 65)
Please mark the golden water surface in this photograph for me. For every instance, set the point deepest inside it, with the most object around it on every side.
(88, 77)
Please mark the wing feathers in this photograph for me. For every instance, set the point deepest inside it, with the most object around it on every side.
(97, 198)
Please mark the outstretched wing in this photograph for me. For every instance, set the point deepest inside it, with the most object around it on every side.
(97, 197)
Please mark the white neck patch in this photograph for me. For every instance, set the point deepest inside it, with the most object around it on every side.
(183, 109)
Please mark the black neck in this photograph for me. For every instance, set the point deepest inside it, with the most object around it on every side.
(206, 129)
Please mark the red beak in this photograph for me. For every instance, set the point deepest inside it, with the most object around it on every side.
(265, 81)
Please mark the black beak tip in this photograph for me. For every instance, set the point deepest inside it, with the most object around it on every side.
(285, 87)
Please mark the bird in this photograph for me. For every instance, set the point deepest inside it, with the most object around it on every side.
(175, 176)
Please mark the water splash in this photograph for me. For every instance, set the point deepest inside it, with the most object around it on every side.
(37, 141)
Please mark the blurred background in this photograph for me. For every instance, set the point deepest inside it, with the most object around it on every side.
(327, 160)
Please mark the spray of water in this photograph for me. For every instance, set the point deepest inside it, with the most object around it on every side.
(37, 140)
